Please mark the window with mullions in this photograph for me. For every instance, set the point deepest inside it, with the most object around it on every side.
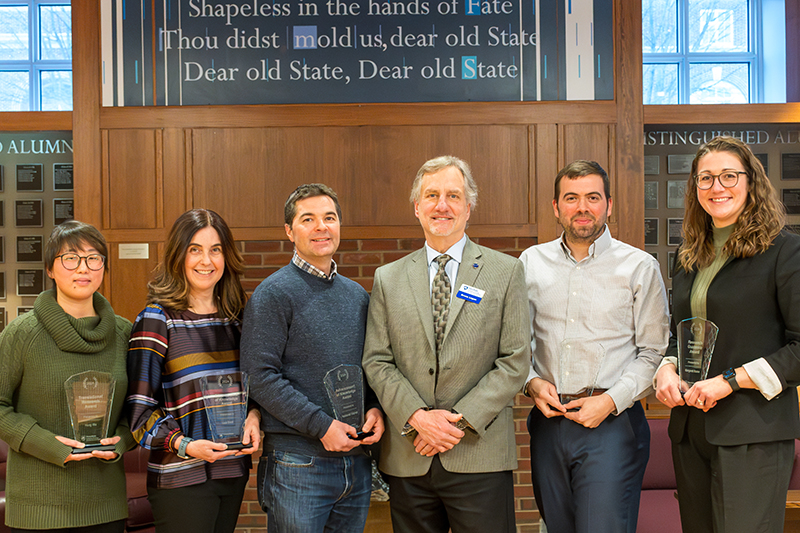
(35, 55)
(702, 51)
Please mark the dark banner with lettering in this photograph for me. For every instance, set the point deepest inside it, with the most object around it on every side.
(199, 52)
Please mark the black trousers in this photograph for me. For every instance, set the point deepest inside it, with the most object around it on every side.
(589, 480)
(442, 500)
(210, 507)
(730, 489)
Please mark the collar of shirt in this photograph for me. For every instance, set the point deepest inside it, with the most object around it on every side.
(600, 245)
(305, 266)
(456, 252)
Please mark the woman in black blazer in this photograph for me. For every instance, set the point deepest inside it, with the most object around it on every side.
(733, 433)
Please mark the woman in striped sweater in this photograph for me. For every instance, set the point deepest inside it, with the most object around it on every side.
(190, 329)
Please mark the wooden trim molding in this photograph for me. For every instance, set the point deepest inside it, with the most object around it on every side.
(722, 114)
(36, 120)
(317, 115)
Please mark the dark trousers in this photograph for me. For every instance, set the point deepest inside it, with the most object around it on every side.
(117, 526)
(210, 507)
(730, 489)
(442, 500)
(589, 480)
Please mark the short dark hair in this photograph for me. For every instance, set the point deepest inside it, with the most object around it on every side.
(308, 190)
(73, 235)
(579, 169)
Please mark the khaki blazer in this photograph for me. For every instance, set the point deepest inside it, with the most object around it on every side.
(483, 364)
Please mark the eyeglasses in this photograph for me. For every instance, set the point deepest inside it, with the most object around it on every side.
(727, 179)
(72, 261)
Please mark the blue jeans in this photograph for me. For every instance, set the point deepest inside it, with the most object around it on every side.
(312, 494)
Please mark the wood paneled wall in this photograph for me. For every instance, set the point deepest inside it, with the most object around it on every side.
(151, 175)
(137, 169)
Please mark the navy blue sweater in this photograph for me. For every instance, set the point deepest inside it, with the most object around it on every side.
(296, 328)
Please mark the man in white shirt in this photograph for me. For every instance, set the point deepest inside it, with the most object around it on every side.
(600, 327)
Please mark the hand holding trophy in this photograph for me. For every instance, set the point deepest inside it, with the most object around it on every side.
(89, 397)
(696, 340)
(225, 397)
(345, 387)
(579, 368)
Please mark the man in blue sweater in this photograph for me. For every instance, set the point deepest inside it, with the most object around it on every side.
(302, 322)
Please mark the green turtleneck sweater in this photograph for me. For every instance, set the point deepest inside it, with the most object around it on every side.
(39, 351)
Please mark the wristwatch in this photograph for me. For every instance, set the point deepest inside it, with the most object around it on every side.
(182, 447)
(730, 376)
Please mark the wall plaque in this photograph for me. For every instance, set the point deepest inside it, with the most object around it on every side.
(674, 231)
(62, 177)
(791, 199)
(651, 231)
(63, 210)
(28, 213)
(29, 178)
(29, 249)
(30, 282)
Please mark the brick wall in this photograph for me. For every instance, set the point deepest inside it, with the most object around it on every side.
(358, 259)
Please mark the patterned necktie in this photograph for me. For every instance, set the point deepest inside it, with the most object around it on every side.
(440, 300)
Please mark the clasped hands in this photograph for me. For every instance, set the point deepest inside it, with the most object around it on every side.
(703, 394)
(588, 412)
(436, 431)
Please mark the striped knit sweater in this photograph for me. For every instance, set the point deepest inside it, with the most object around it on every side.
(169, 352)
(39, 351)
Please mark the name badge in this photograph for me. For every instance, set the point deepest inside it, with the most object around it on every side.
(470, 294)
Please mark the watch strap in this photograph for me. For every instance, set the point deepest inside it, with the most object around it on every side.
(730, 377)
(182, 447)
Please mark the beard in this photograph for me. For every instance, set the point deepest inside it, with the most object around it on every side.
(583, 233)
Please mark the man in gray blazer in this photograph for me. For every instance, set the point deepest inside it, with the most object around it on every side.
(447, 349)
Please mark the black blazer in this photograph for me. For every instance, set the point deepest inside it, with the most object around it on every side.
(755, 302)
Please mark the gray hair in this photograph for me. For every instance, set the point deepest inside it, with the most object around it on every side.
(438, 163)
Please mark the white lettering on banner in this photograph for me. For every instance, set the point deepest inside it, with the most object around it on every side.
(230, 11)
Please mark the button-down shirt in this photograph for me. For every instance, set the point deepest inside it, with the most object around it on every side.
(305, 266)
(614, 298)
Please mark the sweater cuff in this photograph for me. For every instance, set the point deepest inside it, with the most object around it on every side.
(320, 424)
(43, 445)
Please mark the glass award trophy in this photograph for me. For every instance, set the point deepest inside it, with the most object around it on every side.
(225, 398)
(89, 398)
(579, 368)
(345, 387)
(696, 339)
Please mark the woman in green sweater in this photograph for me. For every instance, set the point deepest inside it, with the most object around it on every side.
(72, 329)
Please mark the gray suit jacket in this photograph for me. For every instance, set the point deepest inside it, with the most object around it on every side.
(483, 363)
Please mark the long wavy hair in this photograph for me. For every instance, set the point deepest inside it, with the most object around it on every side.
(169, 287)
(759, 223)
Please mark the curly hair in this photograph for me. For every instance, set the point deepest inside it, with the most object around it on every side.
(759, 223)
(169, 287)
